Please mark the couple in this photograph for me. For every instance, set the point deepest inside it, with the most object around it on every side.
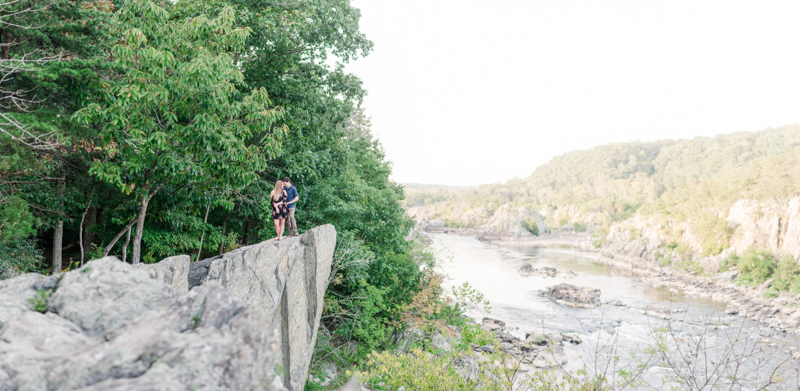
(284, 197)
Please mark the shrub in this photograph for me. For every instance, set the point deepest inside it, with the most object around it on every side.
(579, 227)
(531, 226)
(787, 277)
(755, 266)
(39, 303)
(714, 234)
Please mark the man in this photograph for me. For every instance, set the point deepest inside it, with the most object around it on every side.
(292, 197)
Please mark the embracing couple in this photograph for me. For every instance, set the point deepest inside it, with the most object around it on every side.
(284, 197)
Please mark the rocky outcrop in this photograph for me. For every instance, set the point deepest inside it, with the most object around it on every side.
(224, 323)
(535, 351)
(287, 279)
(173, 271)
(509, 220)
(573, 296)
(527, 270)
(110, 326)
(773, 225)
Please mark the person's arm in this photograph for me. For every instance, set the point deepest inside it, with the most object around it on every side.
(296, 197)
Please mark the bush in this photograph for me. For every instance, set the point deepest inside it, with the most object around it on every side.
(787, 278)
(755, 266)
(531, 226)
(579, 227)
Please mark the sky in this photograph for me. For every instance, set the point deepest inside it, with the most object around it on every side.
(466, 92)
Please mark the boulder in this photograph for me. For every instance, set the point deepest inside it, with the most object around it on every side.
(526, 270)
(573, 296)
(550, 357)
(110, 326)
(490, 324)
(657, 310)
(288, 280)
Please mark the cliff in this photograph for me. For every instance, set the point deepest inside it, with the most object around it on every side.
(506, 221)
(769, 225)
(224, 323)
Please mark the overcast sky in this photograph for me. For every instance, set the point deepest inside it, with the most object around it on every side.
(468, 92)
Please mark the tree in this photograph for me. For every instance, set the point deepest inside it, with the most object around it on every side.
(44, 46)
(175, 118)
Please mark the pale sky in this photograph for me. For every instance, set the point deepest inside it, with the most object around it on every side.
(466, 92)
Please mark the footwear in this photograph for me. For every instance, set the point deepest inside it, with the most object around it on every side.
(288, 236)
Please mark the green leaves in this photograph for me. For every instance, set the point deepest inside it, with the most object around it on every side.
(176, 113)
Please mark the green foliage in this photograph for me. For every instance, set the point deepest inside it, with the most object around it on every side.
(531, 225)
(787, 276)
(467, 298)
(755, 266)
(39, 303)
(472, 334)
(579, 227)
(714, 234)
(418, 370)
(770, 293)
(20, 255)
(16, 219)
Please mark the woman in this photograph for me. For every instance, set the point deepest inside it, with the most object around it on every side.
(280, 210)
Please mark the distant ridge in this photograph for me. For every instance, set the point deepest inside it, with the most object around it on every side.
(434, 186)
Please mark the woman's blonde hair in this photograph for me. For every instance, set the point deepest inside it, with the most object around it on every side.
(277, 191)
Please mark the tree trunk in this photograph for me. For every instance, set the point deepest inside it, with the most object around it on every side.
(5, 38)
(139, 228)
(224, 226)
(80, 230)
(119, 235)
(137, 240)
(246, 232)
(125, 246)
(88, 236)
(58, 235)
(202, 235)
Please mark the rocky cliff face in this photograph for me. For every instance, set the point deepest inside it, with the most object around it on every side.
(770, 225)
(774, 225)
(507, 220)
(114, 326)
(510, 221)
(287, 280)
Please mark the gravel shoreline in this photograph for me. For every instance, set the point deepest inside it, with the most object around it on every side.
(781, 313)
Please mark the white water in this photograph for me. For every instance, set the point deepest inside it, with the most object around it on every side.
(492, 270)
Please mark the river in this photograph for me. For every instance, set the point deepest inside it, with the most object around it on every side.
(618, 327)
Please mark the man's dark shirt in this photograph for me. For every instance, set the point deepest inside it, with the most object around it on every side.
(291, 193)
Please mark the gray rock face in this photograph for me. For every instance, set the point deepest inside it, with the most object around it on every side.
(110, 326)
(287, 279)
(107, 295)
(172, 271)
(573, 296)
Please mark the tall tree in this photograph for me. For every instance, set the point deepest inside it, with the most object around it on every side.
(175, 118)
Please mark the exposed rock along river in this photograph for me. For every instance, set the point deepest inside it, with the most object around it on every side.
(629, 308)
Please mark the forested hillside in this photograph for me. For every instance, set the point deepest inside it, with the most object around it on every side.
(612, 182)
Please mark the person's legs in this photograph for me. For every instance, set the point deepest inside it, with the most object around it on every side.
(291, 223)
(280, 235)
(277, 227)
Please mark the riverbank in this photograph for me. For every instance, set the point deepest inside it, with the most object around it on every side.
(781, 313)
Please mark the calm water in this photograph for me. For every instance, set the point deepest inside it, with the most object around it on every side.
(514, 299)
